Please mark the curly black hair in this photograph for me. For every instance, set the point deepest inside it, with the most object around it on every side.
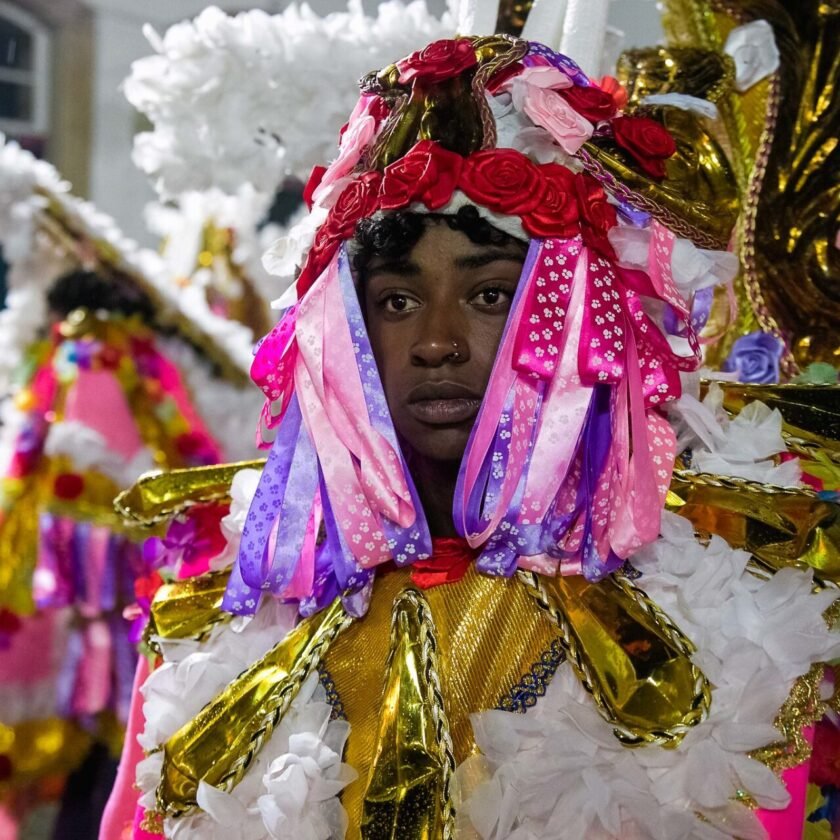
(397, 233)
(89, 290)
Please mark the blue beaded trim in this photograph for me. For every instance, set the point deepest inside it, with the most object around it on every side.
(533, 684)
(333, 697)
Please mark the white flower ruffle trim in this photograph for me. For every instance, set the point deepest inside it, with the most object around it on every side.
(558, 771)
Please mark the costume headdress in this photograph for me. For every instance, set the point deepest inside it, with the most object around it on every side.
(569, 461)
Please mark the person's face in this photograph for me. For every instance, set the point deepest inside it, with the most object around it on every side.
(435, 317)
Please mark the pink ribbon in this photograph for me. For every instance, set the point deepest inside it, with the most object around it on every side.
(363, 473)
(273, 371)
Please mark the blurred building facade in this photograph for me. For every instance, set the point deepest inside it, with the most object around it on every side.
(62, 63)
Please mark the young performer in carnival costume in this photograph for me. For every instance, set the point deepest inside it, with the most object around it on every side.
(489, 328)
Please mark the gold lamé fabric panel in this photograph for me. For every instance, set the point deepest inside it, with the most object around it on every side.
(489, 634)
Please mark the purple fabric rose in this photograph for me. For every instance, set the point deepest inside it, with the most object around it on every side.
(755, 358)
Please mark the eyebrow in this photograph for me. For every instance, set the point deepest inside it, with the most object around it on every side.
(487, 257)
(400, 267)
(407, 268)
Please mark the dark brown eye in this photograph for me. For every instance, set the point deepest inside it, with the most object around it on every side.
(492, 297)
(399, 303)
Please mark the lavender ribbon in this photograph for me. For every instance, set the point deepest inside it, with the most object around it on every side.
(249, 575)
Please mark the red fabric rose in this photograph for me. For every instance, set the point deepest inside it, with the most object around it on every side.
(502, 180)
(557, 212)
(590, 102)
(615, 89)
(648, 142)
(358, 200)
(428, 173)
(450, 561)
(439, 61)
(597, 214)
(315, 178)
(68, 486)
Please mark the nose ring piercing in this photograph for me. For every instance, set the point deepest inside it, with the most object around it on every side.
(456, 353)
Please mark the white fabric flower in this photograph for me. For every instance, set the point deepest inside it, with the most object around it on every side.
(242, 491)
(754, 51)
(743, 446)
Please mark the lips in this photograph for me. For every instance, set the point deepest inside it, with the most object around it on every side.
(443, 403)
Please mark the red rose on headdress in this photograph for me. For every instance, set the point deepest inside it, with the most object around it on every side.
(503, 180)
(428, 173)
(597, 214)
(647, 141)
(358, 200)
(557, 212)
(590, 102)
(439, 61)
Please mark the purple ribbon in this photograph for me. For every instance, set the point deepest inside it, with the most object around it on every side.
(561, 62)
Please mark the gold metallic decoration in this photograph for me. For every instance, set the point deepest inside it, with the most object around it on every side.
(219, 743)
(784, 132)
(513, 15)
(707, 74)
(19, 547)
(156, 497)
(804, 707)
(780, 526)
(454, 112)
(698, 199)
(632, 659)
(409, 787)
(189, 608)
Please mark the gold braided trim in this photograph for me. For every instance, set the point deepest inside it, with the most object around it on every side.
(747, 228)
(734, 483)
(809, 449)
(669, 737)
(668, 218)
(297, 678)
(443, 734)
(502, 58)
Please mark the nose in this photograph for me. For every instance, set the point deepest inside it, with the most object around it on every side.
(440, 340)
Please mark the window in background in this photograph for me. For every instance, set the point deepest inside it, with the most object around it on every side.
(24, 76)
